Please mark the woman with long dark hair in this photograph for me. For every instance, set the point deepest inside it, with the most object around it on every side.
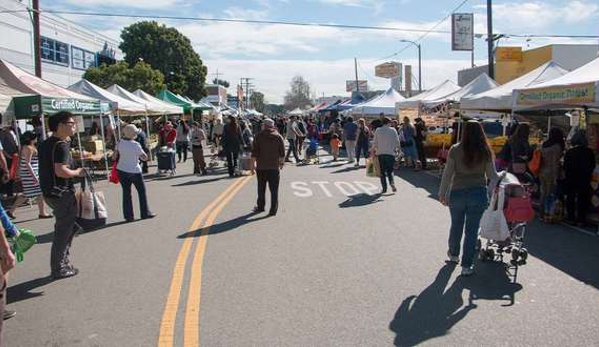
(551, 154)
(182, 140)
(232, 144)
(464, 190)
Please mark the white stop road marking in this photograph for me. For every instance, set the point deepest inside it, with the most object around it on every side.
(307, 189)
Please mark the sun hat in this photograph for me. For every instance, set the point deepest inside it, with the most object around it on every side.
(130, 131)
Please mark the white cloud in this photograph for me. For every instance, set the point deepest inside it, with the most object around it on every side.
(142, 4)
(536, 16)
(244, 13)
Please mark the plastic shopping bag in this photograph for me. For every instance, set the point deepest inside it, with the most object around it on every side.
(114, 176)
(493, 225)
(372, 167)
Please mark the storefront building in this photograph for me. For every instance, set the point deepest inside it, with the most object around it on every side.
(67, 49)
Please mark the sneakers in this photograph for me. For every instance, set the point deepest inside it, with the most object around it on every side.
(453, 258)
(467, 271)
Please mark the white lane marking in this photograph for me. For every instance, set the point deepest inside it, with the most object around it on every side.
(308, 189)
(301, 189)
(324, 189)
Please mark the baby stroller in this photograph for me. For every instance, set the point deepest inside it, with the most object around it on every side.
(166, 161)
(503, 224)
(311, 156)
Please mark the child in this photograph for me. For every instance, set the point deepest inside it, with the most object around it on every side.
(335, 145)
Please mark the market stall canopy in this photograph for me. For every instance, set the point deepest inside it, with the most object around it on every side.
(479, 85)
(318, 107)
(439, 92)
(188, 105)
(33, 96)
(384, 103)
(116, 102)
(331, 106)
(349, 104)
(151, 109)
(500, 98)
(576, 88)
(4, 102)
(167, 107)
(297, 112)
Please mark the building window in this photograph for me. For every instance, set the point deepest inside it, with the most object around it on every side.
(54, 51)
(82, 59)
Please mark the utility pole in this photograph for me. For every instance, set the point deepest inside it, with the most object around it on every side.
(248, 84)
(37, 42)
(356, 69)
(490, 38)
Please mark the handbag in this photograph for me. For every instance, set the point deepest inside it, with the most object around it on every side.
(114, 176)
(535, 163)
(22, 243)
(91, 205)
(14, 167)
(519, 209)
(493, 224)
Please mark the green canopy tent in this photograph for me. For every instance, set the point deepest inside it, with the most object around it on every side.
(189, 106)
(33, 96)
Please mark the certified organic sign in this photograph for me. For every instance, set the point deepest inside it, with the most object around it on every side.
(578, 93)
(71, 104)
(387, 70)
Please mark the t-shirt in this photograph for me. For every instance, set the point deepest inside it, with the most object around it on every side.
(291, 130)
(51, 151)
(129, 153)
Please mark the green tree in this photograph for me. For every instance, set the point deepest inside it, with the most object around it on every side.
(141, 76)
(299, 94)
(257, 101)
(169, 51)
(221, 82)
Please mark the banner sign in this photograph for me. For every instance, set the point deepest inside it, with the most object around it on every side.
(388, 70)
(462, 32)
(508, 54)
(573, 94)
(72, 105)
(350, 86)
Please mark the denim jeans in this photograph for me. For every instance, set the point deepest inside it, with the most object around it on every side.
(232, 157)
(292, 149)
(386, 163)
(127, 179)
(362, 147)
(466, 207)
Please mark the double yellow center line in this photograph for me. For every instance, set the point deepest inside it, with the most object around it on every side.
(199, 229)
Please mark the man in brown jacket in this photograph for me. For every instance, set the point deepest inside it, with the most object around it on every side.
(268, 155)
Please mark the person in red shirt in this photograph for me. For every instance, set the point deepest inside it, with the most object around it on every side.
(167, 135)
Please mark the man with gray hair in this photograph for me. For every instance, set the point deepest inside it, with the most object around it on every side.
(268, 156)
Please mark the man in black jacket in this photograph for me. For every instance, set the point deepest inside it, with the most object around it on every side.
(268, 155)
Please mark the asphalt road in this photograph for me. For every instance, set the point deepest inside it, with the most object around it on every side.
(340, 265)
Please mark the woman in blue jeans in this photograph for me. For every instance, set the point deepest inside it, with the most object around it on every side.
(129, 153)
(464, 190)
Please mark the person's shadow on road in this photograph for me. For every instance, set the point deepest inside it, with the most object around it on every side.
(225, 226)
(360, 200)
(435, 310)
(24, 291)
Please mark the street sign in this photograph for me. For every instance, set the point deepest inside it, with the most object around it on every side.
(462, 32)
(388, 70)
(350, 86)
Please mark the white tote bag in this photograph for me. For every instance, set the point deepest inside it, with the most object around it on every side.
(91, 206)
(493, 225)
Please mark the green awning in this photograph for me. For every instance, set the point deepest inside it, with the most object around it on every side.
(34, 105)
(188, 105)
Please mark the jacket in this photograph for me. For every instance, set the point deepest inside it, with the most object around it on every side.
(268, 149)
(232, 140)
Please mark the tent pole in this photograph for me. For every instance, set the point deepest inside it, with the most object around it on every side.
(80, 148)
(104, 146)
(148, 135)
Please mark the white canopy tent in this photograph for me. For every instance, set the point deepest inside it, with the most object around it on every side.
(479, 85)
(500, 98)
(439, 92)
(124, 93)
(579, 87)
(384, 103)
(166, 107)
(117, 103)
(5, 102)
(297, 112)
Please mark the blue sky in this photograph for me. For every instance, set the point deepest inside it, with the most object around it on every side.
(273, 54)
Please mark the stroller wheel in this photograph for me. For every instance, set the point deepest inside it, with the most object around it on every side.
(524, 255)
(515, 255)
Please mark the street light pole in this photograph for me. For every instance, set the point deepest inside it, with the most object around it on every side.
(419, 63)
(490, 38)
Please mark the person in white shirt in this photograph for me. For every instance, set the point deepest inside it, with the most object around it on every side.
(198, 136)
(128, 153)
(385, 145)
